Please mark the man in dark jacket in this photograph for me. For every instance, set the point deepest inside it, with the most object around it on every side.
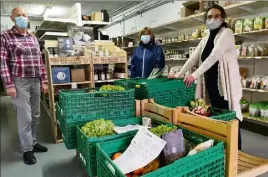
(147, 56)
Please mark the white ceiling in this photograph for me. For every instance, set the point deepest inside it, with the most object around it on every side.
(38, 7)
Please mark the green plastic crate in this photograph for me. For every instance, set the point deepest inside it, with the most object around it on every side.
(127, 83)
(87, 146)
(94, 103)
(170, 93)
(221, 114)
(208, 163)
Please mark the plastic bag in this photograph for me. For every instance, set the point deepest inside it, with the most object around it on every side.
(175, 147)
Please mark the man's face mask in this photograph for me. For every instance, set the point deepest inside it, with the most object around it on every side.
(21, 22)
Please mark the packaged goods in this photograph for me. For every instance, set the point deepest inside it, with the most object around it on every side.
(248, 25)
(264, 83)
(201, 147)
(196, 33)
(204, 31)
(251, 50)
(264, 111)
(243, 72)
(244, 50)
(259, 23)
(181, 37)
(229, 22)
(254, 110)
(244, 105)
(266, 22)
(238, 50)
(239, 26)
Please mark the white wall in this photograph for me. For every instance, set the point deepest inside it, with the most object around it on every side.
(6, 21)
(163, 14)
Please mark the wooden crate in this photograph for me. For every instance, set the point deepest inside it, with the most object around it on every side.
(237, 163)
(109, 60)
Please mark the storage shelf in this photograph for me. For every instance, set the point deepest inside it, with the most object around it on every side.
(71, 83)
(110, 80)
(257, 32)
(253, 58)
(193, 41)
(246, 116)
(94, 23)
(197, 19)
(52, 35)
(54, 25)
(256, 90)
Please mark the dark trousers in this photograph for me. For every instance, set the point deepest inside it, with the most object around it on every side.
(218, 101)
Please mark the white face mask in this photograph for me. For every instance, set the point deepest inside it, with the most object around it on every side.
(213, 23)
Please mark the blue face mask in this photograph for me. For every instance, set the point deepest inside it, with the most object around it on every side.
(21, 22)
(145, 39)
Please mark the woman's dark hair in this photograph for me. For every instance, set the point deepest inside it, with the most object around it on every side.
(215, 6)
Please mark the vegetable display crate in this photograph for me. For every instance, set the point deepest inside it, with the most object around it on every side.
(209, 162)
(95, 103)
(87, 146)
(127, 83)
(170, 93)
(221, 114)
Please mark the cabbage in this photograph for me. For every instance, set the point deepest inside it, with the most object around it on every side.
(98, 128)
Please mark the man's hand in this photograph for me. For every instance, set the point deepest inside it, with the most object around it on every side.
(189, 80)
(44, 88)
(11, 92)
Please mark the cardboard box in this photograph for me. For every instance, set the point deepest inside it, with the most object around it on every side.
(60, 75)
(185, 12)
(96, 16)
(78, 75)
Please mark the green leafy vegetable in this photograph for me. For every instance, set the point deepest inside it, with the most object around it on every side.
(162, 129)
(98, 128)
(111, 88)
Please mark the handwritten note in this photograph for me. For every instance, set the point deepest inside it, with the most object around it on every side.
(144, 148)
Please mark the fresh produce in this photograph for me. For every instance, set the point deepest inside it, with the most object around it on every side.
(199, 107)
(128, 175)
(116, 155)
(162, 129)
(111, 88)
(98, 128)
(138, 171)
(152, 166)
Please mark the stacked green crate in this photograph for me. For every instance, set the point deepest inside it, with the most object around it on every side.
(76, 107)
(209, 162)
(95, 103)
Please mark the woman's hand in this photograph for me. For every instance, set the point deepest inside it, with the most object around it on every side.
(189, 80)
(171, 76)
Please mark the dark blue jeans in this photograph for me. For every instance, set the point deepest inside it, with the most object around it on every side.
(218, 101)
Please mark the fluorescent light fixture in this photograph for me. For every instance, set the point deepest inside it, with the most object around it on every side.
(36, 9)
(55, 12)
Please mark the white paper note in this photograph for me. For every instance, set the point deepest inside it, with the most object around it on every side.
(128, 128)
(144, 148)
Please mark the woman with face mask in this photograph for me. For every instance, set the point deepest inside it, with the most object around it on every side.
(218, 66)
(147, 56)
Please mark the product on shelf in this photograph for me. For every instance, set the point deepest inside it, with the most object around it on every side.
(181, 37)
(204, 31)
(244, 105)
(256, 82)
(266, 22)
(243, 72)
(244, 50)
(259, 23)
(254, 110)
(196, 33)
(60, 75)
(238, 50)
(248, 25)
(238, 26)
(264, 83)
(229, 22)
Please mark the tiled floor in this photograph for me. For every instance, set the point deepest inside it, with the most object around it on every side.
(60, 162)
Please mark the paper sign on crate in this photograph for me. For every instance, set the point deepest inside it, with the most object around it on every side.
(144, 148)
